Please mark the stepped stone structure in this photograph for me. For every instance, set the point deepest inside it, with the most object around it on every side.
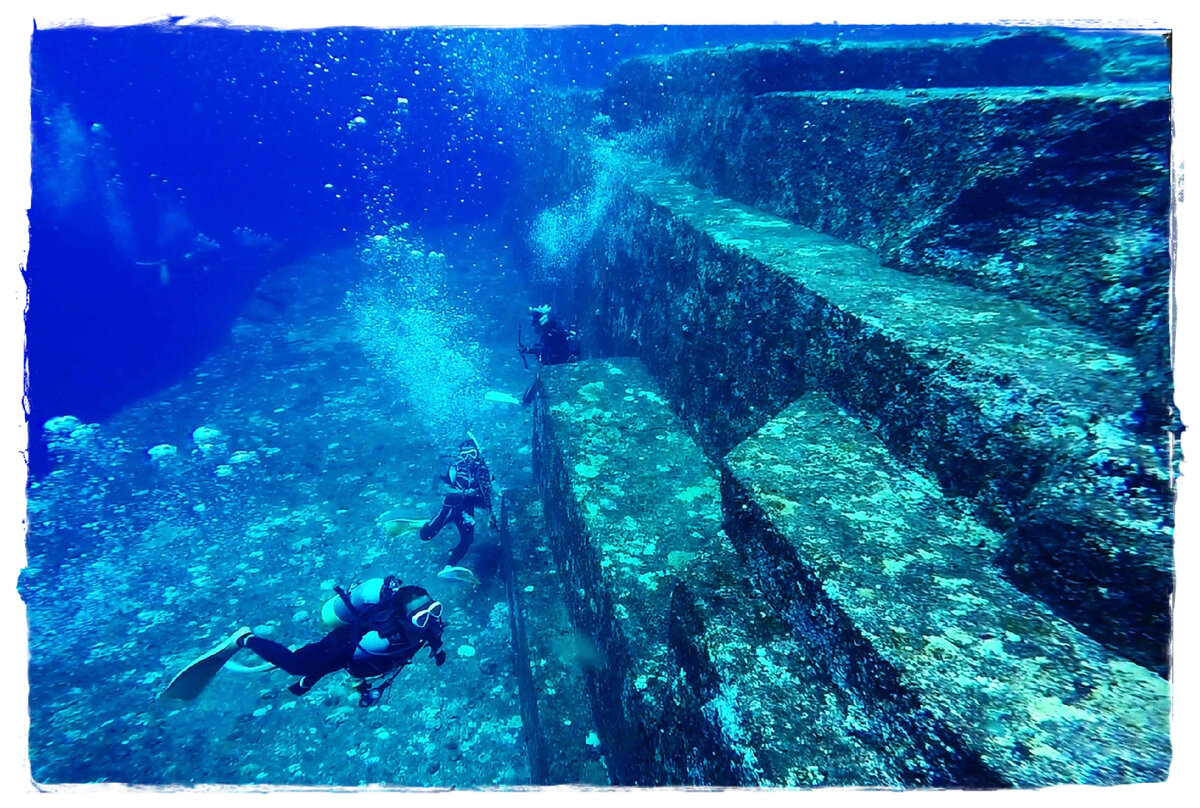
(869, 562)
(1004, 405)
(1028, 164)
(900, 312)
(695, 683)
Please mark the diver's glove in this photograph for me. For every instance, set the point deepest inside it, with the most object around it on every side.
(299, 688)
(435, 646)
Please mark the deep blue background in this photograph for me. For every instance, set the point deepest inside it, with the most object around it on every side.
(177, 131)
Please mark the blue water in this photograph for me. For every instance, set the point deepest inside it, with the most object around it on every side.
(175, 169)
(145, 137)
(190, 130)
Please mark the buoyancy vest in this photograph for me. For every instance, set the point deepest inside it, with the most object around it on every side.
(369, 606)
(472, 474)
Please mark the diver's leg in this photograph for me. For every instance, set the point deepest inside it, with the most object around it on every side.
(431, 528)
(449, 513)
(466, 534)
(310, 662)
(277, 654)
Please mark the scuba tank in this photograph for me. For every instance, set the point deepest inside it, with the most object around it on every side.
(346, 607)
(343, 607)
(373, 644)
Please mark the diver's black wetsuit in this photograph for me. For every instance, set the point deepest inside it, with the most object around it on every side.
(335, 652)
(555, 347)
(459, 507)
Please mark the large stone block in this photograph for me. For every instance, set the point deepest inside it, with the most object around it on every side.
(867, 561)
(641, 88)
(696, 683)
(550, 658)
(1056, 192)
(738, 311)
(609, 512)
(746, 705)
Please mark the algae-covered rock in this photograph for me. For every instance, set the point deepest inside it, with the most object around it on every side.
(738, 311)
(1018, 162)
(694, 681)
(895, 588)
(210, 442)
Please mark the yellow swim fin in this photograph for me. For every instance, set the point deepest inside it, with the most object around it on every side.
(191, 681)
(398, 527)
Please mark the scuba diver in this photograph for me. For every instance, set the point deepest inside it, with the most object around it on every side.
(378, 627)
(557, 342)
(471, 482)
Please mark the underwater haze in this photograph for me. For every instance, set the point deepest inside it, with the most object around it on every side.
(780, 406)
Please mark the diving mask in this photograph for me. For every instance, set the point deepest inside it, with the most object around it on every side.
(420, 618)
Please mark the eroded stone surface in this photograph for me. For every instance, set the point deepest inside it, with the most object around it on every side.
(695, 681)
(738, 311)
(550, 658)
(1034, 165)
(869, 560)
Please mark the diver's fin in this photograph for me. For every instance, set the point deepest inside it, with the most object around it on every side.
(190, 681)
(237, 667)
(397, 527)
(503, 398)
(461, 574)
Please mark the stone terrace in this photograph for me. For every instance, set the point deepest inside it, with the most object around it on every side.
(912, 298)
(868, 561)
(1033, 164)
(738, 311)
(697, 683)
